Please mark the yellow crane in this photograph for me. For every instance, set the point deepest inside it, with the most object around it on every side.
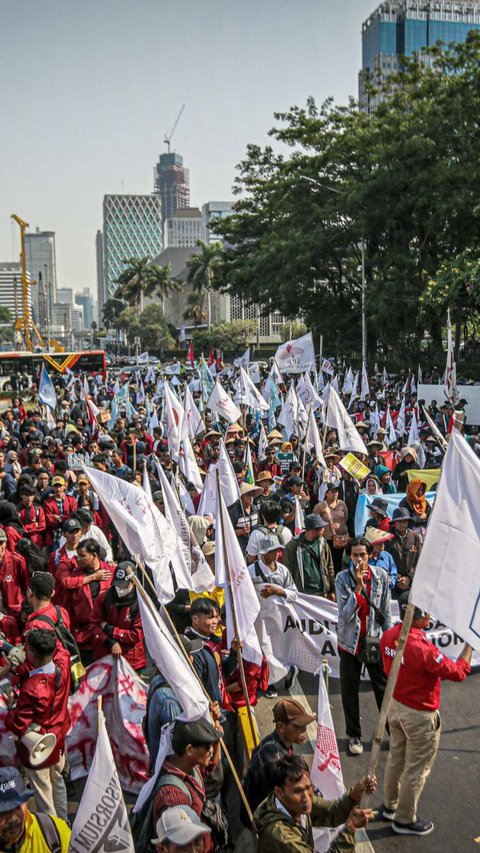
(26, 321)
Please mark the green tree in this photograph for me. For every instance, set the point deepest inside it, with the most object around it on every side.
(151, 327)
(6, 323)
(404, 179)
(195, 310)
(142, 278)
(111, 311)
(202, 269)
(289, 331)
(226, 336)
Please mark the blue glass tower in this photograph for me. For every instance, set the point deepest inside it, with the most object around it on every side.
(406, 27)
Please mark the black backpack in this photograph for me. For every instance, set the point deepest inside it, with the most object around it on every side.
(69, 643)
(50, 833)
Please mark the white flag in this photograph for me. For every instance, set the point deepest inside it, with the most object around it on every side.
(450, 389)
(175, 421)
(365, 390)
(220, 402)
(132, 513)
(143, 358)
(188, 465)
(354, 394)
(401, 420)
(243, 360)
(447, 578)
(240, 588)
(172, 664)
(327, 367)
(312, 439)
(262, 444)
(392, 436)
(299, 519)
(296, 356)
(326, 772)
(101, 823)
(288, 417)
(194, 419)
(348, 381)
(307, 393)
(248, 394)
(337, 417)
(228, 484)
(414, 434)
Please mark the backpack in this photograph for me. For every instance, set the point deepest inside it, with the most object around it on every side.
(50, 832)
(68, 641)
(143, 829)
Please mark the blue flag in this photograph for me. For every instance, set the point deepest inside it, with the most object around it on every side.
(46, 390)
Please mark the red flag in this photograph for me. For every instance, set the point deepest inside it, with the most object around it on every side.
(219, 360)
(190, 355)
(211, 357)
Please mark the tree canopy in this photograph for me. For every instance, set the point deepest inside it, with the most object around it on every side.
(404, 180)
(142, 278)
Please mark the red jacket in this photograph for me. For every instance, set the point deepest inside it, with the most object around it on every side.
(76, 597)
(9, 629)
(423, 668)
(61, 555)
(52, 509)
(13, 537)
(43, 699)
(34, 524)
(121, 628)
(14, 580)
(50, 611)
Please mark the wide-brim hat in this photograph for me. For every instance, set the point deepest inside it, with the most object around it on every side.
(250, 489)
(274, 434)
(380, 505)
(235, 428)
(376, 537)
(264, 475)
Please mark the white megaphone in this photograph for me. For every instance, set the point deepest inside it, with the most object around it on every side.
(39, 746)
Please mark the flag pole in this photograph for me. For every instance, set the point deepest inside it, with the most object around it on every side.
(304, 459)
(241, 668)
(149, 604)
(388, 695)
(99, 714)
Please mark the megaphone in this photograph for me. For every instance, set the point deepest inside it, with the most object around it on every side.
(39, 746)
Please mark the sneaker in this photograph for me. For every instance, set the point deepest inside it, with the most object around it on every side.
(384, 814)
(418, 827)
(355, 746)
(271, 692)
(292, 673)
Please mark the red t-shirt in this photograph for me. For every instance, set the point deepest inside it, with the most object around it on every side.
(422, 669)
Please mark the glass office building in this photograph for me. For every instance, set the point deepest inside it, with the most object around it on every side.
(132, 228)
(406, 27)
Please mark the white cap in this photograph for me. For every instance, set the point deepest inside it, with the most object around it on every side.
(179, 824)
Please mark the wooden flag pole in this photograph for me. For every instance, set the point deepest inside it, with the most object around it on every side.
(388, 695)
(174, 631)
(241, 668)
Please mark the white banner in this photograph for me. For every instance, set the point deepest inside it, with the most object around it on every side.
(296, 356)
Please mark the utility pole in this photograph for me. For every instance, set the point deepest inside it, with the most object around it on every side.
(362, 246)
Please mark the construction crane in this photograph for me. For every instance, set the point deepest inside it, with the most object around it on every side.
(25, 322)
(168, 139)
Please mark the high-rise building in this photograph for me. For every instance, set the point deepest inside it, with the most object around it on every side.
(211, 211)
(184, 228)
(101, 297)
(132, 228)
(84, 300)
(65, 295)
(171, 182)
(42, 265)
(406, 27)
(11, 288)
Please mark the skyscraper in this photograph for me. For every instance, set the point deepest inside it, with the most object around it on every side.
(211, 211)
(100, 280)
(42, 266)
(132, 228)
(84, 299)
(171, 181)
(184, 227)
(406, 27)
(11, 288)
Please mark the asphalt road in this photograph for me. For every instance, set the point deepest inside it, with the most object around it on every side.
(451, 794)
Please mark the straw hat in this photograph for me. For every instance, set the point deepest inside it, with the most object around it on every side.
(375, 537)
(250, 489)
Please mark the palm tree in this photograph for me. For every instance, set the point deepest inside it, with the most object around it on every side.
(111, 310)
(196, 309)
(201, 270)
(142, 278)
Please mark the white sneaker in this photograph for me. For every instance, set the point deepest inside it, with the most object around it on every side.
(355, 746)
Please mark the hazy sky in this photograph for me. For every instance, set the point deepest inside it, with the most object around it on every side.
(89, 88)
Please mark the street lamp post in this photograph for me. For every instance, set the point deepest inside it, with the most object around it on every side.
(362, 246)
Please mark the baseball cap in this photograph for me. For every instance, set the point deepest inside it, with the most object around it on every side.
(313, 521)
(58, 481)
(70, 525)
(269, 543)
(123, 573)
(82, 478)
(12, 789)
(291, 711)
(3, 535)
(296, 481)
(199, 733)
(180, 825)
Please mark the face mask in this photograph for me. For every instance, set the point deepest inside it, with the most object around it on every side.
(123, 592)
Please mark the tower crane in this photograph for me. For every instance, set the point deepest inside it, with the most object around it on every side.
(25, 321)
(168, 139)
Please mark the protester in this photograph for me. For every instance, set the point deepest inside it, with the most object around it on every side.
(180, 830)
(414, 720)
(310, 561)
(20, 830)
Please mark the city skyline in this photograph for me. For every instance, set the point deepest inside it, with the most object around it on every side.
(100, 84)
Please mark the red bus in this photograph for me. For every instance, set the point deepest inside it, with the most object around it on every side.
(90, 361)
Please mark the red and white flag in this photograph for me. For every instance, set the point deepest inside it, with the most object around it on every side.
(299, 517)
(220, 402)
(326, 772)
(190, 355)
